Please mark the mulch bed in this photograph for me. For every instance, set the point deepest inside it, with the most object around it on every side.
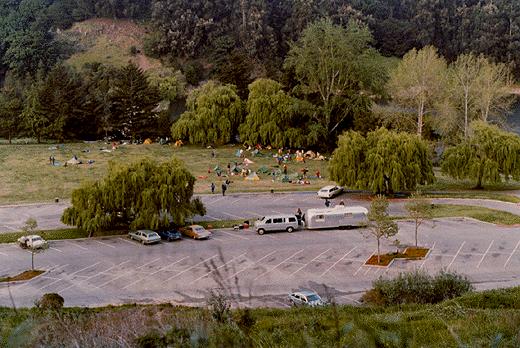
(22, 276)
(410, 253)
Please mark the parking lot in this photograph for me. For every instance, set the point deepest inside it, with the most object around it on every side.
(259, 270)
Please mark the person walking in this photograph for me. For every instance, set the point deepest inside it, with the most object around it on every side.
(212, 187)
(224, 188)
(327, 203)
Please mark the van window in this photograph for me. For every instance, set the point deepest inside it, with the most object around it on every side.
(320, 218)
(291, 219)
(277, 221)
(268, 221)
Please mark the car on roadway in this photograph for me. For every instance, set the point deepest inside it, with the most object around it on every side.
(306, 298)
(32, 242)
(196, 232)
(330, 191)
(170, 235)
(145, 236)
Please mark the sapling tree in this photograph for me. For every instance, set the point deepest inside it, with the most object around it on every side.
(419, 209)
(381, 224)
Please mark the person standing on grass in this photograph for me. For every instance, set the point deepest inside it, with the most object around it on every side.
(212, 187)
(224, 188)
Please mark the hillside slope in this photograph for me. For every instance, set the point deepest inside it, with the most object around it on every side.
(109, 41)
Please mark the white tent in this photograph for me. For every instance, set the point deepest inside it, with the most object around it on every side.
(248, 161)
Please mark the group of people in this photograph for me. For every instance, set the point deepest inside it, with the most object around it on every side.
(224, 186)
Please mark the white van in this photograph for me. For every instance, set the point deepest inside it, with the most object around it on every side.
(339, 216)
(275, 223)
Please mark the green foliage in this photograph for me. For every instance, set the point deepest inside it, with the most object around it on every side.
(213, 116)
(381, 224)
(50, 301)
(417, 287)
(10, 114)
(141, 195)
(133, 101)
(383, 161)
(489, 155)
(30, 226)
(274, 118)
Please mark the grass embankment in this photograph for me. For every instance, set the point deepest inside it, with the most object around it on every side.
(487, 319)
(479, 213)
(22, 276)
(59, 234)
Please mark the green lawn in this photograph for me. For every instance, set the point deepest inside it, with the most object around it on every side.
(480, 213)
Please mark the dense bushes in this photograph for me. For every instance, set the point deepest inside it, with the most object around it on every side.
(417, 287)
(51, 301)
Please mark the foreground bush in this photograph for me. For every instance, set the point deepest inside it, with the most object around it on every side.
(417, 287)
(51, 301)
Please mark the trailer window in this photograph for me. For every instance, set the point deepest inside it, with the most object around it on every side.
(348, 215)
(320, 218)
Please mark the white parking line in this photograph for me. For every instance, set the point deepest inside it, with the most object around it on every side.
(278, 265)
(105, 244)
(487, 250)
(171, 264)
(235, 235)
(359, 269)
(509, 258)
(211, 217)
(85, 268)
(308, 263)
(236, 200)
(335, 263)
(264, 257)
(76, 245)
(1, 253)
(277, 212)
(126, 240)
(426, 258)
(219, 267)
(216, 200)
(253, 213)
(189, 268)
(457, 254)
(51, 283)
(127, 272)
(233, 215)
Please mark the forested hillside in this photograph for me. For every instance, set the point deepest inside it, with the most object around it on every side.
(237, 43)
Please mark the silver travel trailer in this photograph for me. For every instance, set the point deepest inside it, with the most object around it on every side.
(339, 216)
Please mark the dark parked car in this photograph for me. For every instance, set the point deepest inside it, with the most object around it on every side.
(170, 235)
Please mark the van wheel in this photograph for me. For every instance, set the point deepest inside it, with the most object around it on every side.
(290, 229)
(260, 231)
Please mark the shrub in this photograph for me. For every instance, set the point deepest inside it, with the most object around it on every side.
(417, 287)
(151, 340)
(219, 306)
(51, 301)
(193, 72)
(133, 50)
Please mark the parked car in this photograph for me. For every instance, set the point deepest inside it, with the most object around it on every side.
(306, 298)
(170, 235)
(196, 232)
(32, 242)
(275, 223)
(330, 191)
(145, 236)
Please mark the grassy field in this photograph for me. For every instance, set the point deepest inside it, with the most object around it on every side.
(27, 176)
(487, 319)
(479, 213)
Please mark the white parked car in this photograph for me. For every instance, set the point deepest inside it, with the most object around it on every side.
(306, 298)
(330, 191)
(145, 236)
(32, 242)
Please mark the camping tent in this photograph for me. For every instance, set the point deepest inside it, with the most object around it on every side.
(252, 177)
(73, 161)
(148, 141)
(248, 161)
(263, 170)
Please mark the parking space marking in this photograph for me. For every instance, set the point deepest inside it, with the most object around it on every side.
(1, 253)
(105, 244)
(108, 269)
(277, 212)
(308, 263)
(51, 283)
(335, 263)
(55, 249)
(427, 255)
(233, 215)
(359, 269)
(252, 213)
(126, 240)
(457, 254)
(171, 264)
(216, 200)
(279, 199)
(278, 265)
(218, 240)
(235, 235)
(509, 258)
(212, 217)
(219, 267)
(487, 250)
(127, 272)
(236, 200)
(85, 268)
(76, 245)
(256, 262)
(189, 268)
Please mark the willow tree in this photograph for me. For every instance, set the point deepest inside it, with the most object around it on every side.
(417, 81)
(145, 194)
(488, 155)
(214, 113)
(274, 118)
(383, 162)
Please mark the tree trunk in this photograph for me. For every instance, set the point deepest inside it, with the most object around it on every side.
(378, 253)
(420, 117)
(465, 114)
(416, 229)
(9, 136)
(32, 260)
(480, 176)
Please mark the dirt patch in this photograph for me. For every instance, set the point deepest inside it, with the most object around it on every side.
(411, 253)
(22, 276)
